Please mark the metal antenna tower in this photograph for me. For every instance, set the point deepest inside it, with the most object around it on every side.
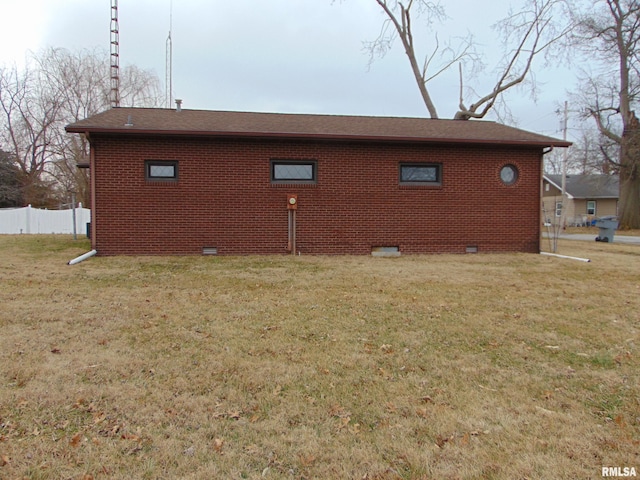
(115, 56)
(169, 61)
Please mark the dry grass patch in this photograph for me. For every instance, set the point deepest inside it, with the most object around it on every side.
(444, 367)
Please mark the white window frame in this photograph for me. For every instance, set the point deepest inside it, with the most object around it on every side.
(558, 209)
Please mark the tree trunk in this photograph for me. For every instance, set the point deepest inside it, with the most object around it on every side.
(629, 202)
(629, 199)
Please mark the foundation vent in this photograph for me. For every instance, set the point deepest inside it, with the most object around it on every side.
(472, 249)
(209, 250)
(385, 251)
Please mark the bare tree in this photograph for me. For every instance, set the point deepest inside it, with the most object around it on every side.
(591, 153)
(29, 125)
(10, 182)
(609, 34)
(55, 88)
(526, 34)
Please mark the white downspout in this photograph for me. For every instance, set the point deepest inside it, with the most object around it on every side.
(586, 260)
(82, 257)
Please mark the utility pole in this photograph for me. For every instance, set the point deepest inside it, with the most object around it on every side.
(558, 227)
(565, 154)
(566, 151)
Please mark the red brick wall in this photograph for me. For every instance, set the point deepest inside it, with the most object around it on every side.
(224, 198)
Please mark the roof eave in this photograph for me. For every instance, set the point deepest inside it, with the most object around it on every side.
(306, 136)
(596, 197)
(559, 187)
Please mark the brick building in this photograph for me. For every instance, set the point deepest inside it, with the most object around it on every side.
(176, 182)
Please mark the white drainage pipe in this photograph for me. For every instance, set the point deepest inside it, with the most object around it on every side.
(82, 257)
(565, 256)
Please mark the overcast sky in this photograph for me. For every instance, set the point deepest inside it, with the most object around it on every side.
(292, 56)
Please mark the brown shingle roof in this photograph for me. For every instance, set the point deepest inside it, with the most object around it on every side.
(159, 121)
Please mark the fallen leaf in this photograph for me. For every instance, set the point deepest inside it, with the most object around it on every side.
(422, 412)
(4, 460)
(620, 421)
(344, 422)
(217, 444)
(442, 441)
(307, 460)
(338, 411)
(235, 414)
(622, 356)
(75, 440)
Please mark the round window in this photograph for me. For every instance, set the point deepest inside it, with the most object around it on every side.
(509, 174)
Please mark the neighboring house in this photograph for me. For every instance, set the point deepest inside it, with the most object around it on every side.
(231, 183)
(588, 197)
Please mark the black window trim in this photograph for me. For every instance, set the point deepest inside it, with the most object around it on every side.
(160, 163)
(436, 183)
(280, 161)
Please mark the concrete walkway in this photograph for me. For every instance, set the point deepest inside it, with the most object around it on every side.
(592, 238)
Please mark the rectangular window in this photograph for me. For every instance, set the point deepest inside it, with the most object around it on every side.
(558, 209)
(294, 171)
(161, 170)
(591, 207)
(420, 174)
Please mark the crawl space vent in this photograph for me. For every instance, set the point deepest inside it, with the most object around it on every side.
(209, 250)
(385, 251)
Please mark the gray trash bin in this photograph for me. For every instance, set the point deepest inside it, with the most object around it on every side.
(607, 226)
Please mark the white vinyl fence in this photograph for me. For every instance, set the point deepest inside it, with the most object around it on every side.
(35, 220)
